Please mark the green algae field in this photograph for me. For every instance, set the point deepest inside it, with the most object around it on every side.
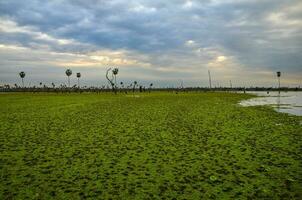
(158, 145)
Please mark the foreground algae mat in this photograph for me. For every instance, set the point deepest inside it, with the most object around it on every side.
(147, 146)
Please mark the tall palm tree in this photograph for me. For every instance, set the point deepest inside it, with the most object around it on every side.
(134, 84)
(79, 76)
(150, 87)
(68, 73)
(279, 75)
(22, 75)
(122, 85)
(115, 72)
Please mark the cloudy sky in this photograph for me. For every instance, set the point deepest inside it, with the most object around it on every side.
(164, 42)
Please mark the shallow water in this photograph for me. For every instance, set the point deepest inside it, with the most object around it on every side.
(287, 102)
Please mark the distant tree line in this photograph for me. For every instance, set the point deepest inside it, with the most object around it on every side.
(135, 87)
(111, 76)
(115, 87)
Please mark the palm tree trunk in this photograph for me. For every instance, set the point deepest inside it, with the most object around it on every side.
(22, 82)
(115, 80)
(279, 84)
(79, 83)
(68, 82)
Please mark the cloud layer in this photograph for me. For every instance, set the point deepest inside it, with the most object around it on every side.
(164, 42)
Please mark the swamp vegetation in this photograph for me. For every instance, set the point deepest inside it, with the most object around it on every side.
(147, 146)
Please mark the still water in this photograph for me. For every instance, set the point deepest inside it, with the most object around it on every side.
(288, 102)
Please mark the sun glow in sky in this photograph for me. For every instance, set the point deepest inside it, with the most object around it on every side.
(245, 41)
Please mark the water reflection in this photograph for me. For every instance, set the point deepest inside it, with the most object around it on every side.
(288, 102)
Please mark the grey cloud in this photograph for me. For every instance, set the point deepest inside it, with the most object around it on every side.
(160, 29)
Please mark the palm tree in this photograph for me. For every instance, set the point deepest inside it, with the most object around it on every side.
(115, 72)
(279, 75)
(79, 76)
(122, 85)
(22, 75)
(151, 84)
(68, 73)
(134, 84)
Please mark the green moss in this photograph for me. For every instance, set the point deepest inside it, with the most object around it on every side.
(147, 146)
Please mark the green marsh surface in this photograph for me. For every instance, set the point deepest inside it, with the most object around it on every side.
(148, 146)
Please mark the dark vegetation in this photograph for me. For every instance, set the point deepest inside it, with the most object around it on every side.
(132, 88)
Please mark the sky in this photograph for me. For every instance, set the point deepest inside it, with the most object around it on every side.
(152, 41)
